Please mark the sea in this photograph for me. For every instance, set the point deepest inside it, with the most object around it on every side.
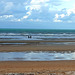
(36, 34)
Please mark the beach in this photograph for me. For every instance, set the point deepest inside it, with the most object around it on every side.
(37, 37)
(55, 53)
(36, 66)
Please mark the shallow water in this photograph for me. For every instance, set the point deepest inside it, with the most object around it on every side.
(37, 37)
(36, 56)
(13, 43)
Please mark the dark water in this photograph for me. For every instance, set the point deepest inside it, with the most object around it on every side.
(36, 56)
(37, 31)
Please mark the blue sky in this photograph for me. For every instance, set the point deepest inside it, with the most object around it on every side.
(37, 14)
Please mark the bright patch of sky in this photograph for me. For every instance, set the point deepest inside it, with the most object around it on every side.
(52, 11)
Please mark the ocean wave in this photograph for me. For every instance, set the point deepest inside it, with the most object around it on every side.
(35, 36)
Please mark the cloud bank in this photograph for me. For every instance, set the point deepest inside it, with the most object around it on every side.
(37, 10)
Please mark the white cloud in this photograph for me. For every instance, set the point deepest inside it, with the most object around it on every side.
(21, 19)
(24, 17)
(38, 10)
(56, 16)
(6, 16)
(56, 19)
(18, 20)
(29, 13)
(66, 16)
(38, 1)
(35, 20)
(35, 5)
(70, 11)
(62, 15)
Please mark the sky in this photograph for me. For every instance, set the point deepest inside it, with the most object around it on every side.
(37, 14)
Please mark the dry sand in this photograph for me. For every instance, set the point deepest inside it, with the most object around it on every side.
(36, 66)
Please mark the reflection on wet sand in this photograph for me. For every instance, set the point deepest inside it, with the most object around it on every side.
(37, 56)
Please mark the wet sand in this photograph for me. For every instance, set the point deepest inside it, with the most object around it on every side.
(21, 48)
(36, 46)
(35, 66)
(35, 41)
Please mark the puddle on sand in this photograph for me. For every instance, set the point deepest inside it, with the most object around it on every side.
(36, 56)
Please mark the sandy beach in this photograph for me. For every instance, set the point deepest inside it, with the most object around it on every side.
(36, 66)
